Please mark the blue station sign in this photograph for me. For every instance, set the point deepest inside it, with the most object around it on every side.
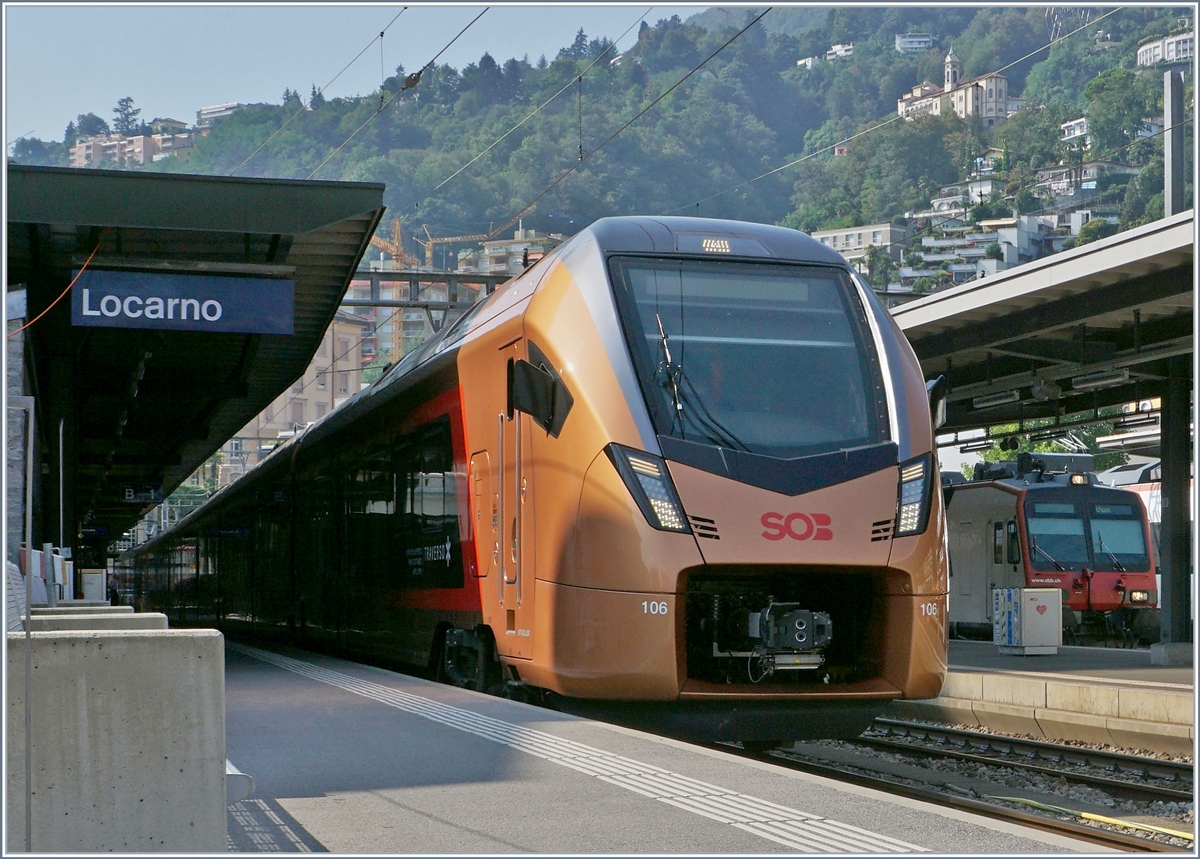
(182, 302)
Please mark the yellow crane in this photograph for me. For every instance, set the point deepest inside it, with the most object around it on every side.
(430, 241)
(395, 246)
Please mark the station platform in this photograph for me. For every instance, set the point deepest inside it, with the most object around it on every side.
(1112, 696)
(353, 759)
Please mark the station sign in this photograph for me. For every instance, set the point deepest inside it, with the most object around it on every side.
(182, 302)
(143, 493)
(86, 531)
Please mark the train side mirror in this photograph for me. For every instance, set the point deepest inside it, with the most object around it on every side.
(937, 389)
(540, 395)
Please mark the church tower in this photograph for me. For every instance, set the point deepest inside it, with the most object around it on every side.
(953, 71)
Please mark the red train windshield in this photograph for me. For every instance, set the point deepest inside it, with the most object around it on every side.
(765, 358)
(1070, 535)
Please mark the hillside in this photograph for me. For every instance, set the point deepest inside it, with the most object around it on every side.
(705, 148)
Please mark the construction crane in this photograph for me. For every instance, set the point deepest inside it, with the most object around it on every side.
(395, 246)
(430, 241)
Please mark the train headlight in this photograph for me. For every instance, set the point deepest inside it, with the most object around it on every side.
(912, 510)
(647, 480)
(1139, 596)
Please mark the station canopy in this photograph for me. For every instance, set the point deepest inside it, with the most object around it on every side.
(140, 409)
(1095, 326)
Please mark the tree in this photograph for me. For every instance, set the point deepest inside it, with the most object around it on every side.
(1094, 230)
(126, 122)
(316, 98)
(32, 150)
(578, 49)
(88, 125)
(1118, 100)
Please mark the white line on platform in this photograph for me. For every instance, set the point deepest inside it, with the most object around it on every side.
(798, 830)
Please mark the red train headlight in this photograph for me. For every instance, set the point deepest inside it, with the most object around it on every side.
(1139, 596)
(647, 480)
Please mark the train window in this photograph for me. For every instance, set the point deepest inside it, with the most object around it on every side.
(767, 358)
(998, 543)
(1014, 543)
(1056, 541)
(1118, 537)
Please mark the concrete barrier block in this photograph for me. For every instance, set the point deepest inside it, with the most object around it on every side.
(1017, 691)
(1152, 736)
(1007, 718)
(128, 741)
(962, 684)
(64, 622)
(81, 607)
(1078, 698)
(1070, 725)
(1148, 705)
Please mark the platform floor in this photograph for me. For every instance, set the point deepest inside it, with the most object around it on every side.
(1095, 663)
(349, 758)
(1109, 696)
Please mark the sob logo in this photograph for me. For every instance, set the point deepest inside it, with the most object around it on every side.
(798, 526)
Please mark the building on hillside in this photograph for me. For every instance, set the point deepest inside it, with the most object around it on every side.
(332, 376)
(117, 150)
(1066, 179)
(914, 43)
(986, 97)
(808, 62)
(208, 115)
(511, 256)
(852, 242)
(1075, 132)
(1179, 48)
(166, 125)
(836, 52)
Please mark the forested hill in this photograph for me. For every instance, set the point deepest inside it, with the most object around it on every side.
(748, 111)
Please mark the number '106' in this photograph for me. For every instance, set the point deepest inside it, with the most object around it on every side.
(652, 607)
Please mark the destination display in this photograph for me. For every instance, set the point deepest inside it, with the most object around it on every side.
(182, 302)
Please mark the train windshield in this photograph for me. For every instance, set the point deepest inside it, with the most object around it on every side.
(1118, 537)
(765, 358)
(1071, 535)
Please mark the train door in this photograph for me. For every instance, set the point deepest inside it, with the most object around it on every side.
(514, 581)
(486, 524)
(1006, 568)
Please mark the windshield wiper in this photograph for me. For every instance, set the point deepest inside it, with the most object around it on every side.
(1100, 539)
(668, 373)
(1038, 548)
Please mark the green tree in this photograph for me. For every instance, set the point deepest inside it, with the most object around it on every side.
(126, 117)
(89, 125)
(1118, 101)
(33, 150)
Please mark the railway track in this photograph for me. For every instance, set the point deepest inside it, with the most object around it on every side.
(1126, 776)
(1025, 782)
(1095, 835)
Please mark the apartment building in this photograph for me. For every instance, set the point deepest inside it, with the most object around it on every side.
(852, 243)
(121, 151)
(914, 43)
(333, 375)
(1180, 48)
(509, 256)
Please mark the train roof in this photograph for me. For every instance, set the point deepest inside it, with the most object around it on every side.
(668, 235)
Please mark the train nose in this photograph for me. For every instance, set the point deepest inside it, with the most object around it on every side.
(848, 523)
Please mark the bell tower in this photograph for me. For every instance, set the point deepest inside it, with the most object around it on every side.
(953, 71)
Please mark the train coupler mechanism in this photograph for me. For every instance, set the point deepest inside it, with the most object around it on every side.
(781, 637)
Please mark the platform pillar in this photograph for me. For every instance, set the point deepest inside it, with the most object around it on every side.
(1175, 644)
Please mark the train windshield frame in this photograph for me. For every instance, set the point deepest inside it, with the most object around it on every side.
(771, 358)
(1070, 534)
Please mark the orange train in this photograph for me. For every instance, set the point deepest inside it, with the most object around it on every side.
(680, 470)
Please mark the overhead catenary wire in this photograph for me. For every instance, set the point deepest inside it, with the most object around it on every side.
(532, 113)
(875, 128)
(409, 82)
(642, 112)
(304, 107)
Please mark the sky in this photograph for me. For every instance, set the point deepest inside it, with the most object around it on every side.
(62, 60)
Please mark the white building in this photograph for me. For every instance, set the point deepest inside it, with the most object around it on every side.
(914, 43)
(1180, 48)
(852, 242)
